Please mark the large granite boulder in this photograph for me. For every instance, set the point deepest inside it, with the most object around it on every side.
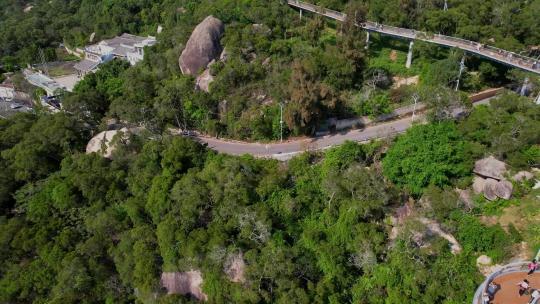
(490, 167)
(204, 80)
(184, 283)
(523, 176)
(235, 268)
(478, 184)
(203, 46)
(490, 189)
(105, 142)
(504, 189)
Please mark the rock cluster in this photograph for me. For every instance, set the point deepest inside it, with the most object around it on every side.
(490, 179)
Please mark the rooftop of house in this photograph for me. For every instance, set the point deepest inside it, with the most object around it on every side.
(121, 45)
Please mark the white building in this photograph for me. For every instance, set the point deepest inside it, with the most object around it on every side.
(126, 47)
(43, 81)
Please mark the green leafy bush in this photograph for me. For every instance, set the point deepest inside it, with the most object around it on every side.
(433, 154)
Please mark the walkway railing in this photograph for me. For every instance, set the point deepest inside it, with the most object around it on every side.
(489, 52)
(510, 268)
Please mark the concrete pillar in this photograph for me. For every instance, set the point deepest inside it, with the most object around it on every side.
(409, 55)
(367, 41)
(538, 99)
(524, 87)
(300, 14)
(461, 69)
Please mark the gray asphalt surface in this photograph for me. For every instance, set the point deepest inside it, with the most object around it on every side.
(288, 149)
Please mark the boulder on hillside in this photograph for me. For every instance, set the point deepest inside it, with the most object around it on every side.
(184, 283)
(484, 260)
(490, 189)
(235, 267)
(523, 176)
(204, 80)
(478, 184)
(466, 198)
(504, 189)
(203, 46)
(490, 167)
(104, 142)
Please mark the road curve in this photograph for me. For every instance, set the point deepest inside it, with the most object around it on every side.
(288, 149)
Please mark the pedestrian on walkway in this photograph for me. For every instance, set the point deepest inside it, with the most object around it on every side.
(523, 287)
(485, 298)
(533, 266)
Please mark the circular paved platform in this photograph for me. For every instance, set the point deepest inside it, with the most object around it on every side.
(508, 294)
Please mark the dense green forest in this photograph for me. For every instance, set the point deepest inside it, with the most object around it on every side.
(320, 228)
(316, 68)
(79, 228)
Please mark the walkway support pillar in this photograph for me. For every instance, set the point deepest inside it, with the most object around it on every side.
(409, 55)
(300, 14)
(367, 41)
(524, 87)
(461, 69)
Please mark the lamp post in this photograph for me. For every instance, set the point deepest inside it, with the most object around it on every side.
(281, 121)
(415, 98)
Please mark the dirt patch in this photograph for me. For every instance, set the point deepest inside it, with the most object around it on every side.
(510, 215)
(393, 55)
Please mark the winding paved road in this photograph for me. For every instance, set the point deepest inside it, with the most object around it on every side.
(288, 149)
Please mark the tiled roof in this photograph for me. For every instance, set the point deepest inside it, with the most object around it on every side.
(86, 65)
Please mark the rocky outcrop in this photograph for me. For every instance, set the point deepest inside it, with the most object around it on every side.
(435, 228)
(490, 179)
(105, 142)
(523, 176)
(490, 167)
(235, 267)
(204, 80)
(484, 260)
(203, 46)
(465, 198)
(490, 189)
(184, 283)
(504, 189)
(478, 184)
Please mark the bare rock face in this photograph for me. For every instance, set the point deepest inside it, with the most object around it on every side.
(523, 176)
(490, 189)
(235, 267)
(504, 189)
(204, 80)
(104, 142)
(465, 197)
(490, 167)
(184, 283)
(483, 260)
(203, 46)
(478, 184)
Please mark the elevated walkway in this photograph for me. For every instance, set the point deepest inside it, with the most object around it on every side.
(507, 278)
(486, 51)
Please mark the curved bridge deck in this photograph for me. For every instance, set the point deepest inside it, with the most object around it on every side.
(486, 51)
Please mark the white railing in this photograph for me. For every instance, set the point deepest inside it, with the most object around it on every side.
(510, 268)
(507, 57)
